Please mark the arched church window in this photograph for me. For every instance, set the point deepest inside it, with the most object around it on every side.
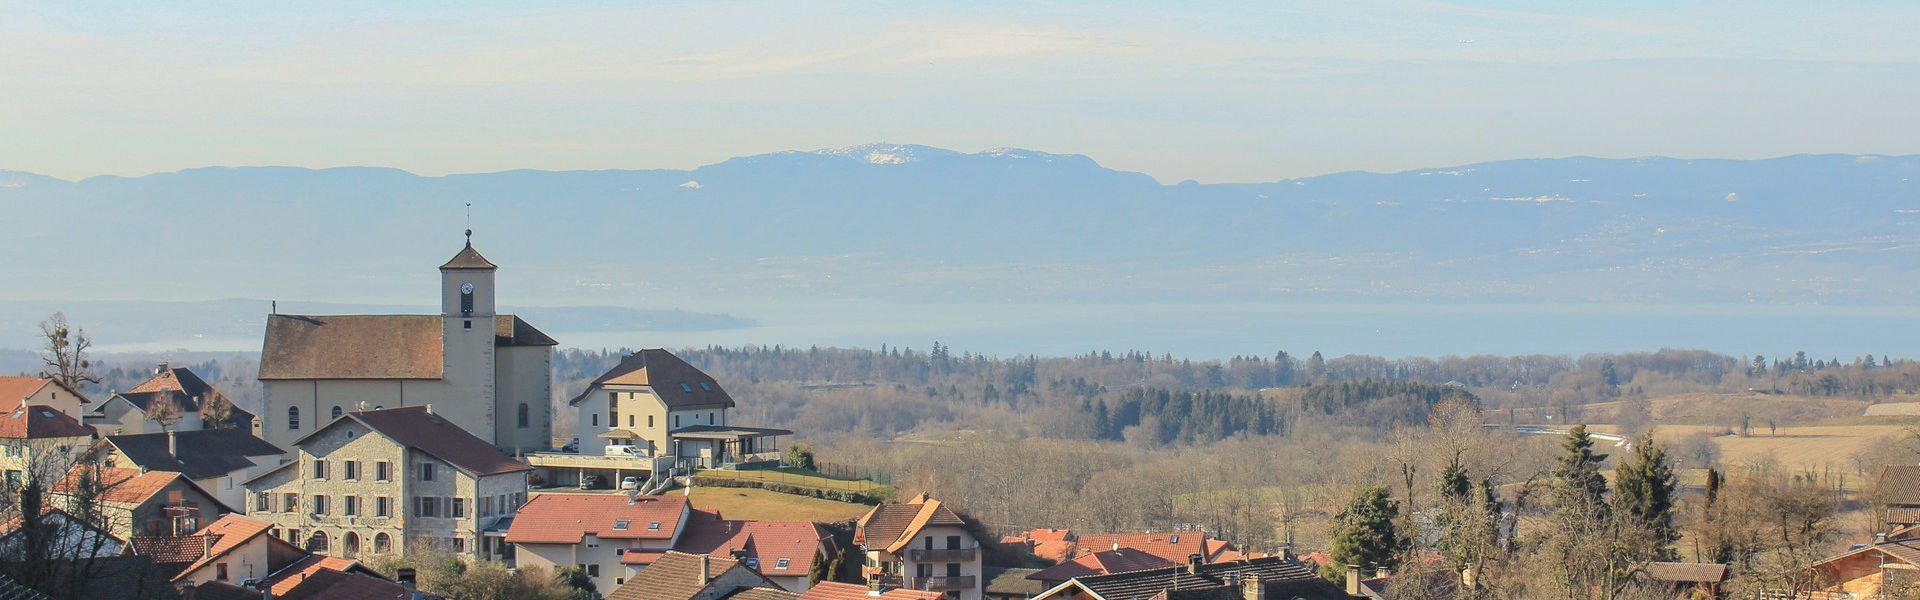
(523, 415)
(336, 413)
(293, 418)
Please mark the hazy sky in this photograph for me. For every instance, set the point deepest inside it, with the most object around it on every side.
(1216, 92)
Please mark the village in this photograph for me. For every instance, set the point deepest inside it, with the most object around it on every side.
(386, 435)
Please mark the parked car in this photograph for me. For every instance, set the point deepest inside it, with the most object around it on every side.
(629, 483)
(573, 446)
(590, 482)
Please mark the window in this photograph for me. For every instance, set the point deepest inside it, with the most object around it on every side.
(676, 421)
(220, 571)
(459, 508)
(353, 470)
(622, 525)
(596, 419)
(486, 505)
(382, 470)
(459, 545)
(929, 542)
(319, 468)
(593, 570)
(953, 542)
(619, 581)
(953, 569)
(319, 504)
(684, 387)
(653, 526)
(292, 503)
(649, 421)
(382, 544)
(468, 323)
(317, 543)
(335, 414)
(383, 507)
(613, 409)
(704, 386)
(923, 570)
(262, 502)
(293, 535)
(592, 541)
(426, 506)
(781, 564)
(293, 418)
(629, 420)
(351, 506)
(426, 471)
(351, 543)
(523, 415)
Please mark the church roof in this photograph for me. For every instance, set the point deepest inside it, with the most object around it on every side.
(352, 347)
(510, 330)
(468, 258)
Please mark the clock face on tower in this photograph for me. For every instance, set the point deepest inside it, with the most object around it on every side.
(466, 288)
(466, 297)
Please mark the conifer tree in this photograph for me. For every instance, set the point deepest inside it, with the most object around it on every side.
(1579, 486)
(1643, 495)
(1364, 534)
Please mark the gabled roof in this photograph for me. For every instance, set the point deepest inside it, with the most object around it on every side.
(893, 526)
(1012, 582)
(414, 427)
(79, 545)
(352, 347)
(15, 388)
(228, 532)
(1283, 577)
(1687, 572)
(125, 486)
(299, 576)
(1906, 551)
(171, 554)
(568, 518)
(1174, 547)
(339, 585)
(179, 379)
(1103, 563)
(834, 590)
(1899, 485)
(468, 258)
(190, 392)
(678, 384)
(677, 576)
(203, 453)
(40, 422)
(764, 543)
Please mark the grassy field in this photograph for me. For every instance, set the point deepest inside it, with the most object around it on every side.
(797, 477)
(750, 503)
(1796, 447)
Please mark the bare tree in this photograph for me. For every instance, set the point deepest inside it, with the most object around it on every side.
(66, 353)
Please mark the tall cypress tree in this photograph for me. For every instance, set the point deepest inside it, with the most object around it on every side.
(1363, 534)
(1643, 494)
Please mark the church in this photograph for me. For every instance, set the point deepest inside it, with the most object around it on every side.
(489, 373)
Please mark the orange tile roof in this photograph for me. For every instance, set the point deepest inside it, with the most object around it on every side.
(15, 388)
(676, 576)
(327, 584)
(171, 553)
(229, 531)
(834, 590)
(121, 486)
(764, 542)
(291, 577)
(893, 526)
(568, 518)
(40, 422)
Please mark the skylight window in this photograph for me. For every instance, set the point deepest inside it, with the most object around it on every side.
(781, 564)
(705, 386)
(621, 525)
(653, 526)
(685, 388)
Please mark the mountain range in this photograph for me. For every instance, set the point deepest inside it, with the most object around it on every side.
(916, 224)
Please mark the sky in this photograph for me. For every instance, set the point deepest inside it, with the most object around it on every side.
(1214, 92)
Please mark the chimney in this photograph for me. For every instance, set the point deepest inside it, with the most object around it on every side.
(1353, 580)
(873, 585)
(206, 546)
(160, 369)
(429, 408)
(1193, 564)
(1880, 538)
(173, 445)
(704, 575)
(1251, 587)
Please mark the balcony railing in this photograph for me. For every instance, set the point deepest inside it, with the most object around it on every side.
(941, 555)
(941, 584)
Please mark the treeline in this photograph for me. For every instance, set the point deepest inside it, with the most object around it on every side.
(1162, 416)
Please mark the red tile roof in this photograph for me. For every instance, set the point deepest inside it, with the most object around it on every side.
(764, 543)
(172, 554)
(676, 576)
(40, 422)
(568, 518)
(834, 590)
(15, 388)
(353, 347)
(414, 427)
(1102, 563)
(468, 258)
(121, 486)
(641, 557)
(229, 532)
(892, 526)
(293, 575)
(1062, 545)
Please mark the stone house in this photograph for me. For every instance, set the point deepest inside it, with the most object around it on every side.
(921, 545)
(488, 373)
(383, 481)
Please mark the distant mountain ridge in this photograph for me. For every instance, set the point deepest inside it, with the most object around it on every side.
(918, 223)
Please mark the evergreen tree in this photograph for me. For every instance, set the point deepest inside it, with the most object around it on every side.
(1643, 495)
(1363, 534)
(1579, 486)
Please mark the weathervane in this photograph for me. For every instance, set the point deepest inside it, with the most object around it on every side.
(469, 223)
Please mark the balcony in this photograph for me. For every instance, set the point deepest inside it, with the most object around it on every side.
(942, 584)
(943, 555)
